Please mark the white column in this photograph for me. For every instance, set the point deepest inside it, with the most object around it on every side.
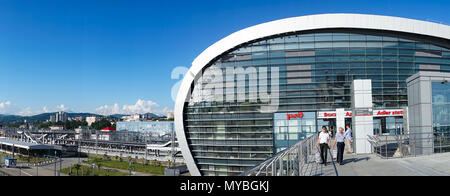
(362, 118)
(340, 119)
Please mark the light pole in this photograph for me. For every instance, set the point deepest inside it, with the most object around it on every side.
(79, 151)
(93, 169)
(55, 163)
(60, 164)
(129, 167)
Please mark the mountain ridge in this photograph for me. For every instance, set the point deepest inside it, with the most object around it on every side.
(6, 118)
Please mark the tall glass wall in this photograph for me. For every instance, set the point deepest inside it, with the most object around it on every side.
(315, 73)
(441, 115)
(288, 132)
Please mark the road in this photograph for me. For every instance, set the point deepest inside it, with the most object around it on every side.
(47, 170)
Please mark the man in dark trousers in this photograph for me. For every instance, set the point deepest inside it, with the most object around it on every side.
(323, 142)
(340, 141)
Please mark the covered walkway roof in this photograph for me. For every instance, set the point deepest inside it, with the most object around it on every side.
(25, 145)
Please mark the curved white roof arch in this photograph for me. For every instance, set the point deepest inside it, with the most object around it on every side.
(296, 24)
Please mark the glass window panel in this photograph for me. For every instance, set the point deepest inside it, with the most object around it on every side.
(277, 47)
(341, 44)
(291, 39)
(323, 38)
(358, 44)
(341, 37)
(407, 45)
(291, 46)
(306, 38)
(373, 51)
(393, 39)
(307, 46)
(390, 44)
(357, 37)
(259, 48)
(374, 44)
(373, 38)
(323, 45)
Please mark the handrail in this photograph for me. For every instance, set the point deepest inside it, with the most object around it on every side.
(289, 162)
(409, 144)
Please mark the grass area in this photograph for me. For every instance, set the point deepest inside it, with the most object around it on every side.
(153, 167)
(81, 170)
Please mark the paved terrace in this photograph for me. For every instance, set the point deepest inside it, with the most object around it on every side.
(372, 165)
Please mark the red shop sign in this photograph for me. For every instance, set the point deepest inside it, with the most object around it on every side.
(295, 116)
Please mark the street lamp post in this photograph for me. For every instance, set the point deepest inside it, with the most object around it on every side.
(60, 164)
(55, 163)
(93, 169)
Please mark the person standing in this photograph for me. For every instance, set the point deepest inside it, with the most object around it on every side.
(331, 132)
(348, 137)
(323, 142)
(340, 141)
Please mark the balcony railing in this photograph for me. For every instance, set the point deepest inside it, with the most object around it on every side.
(410, 144)
(297, 160)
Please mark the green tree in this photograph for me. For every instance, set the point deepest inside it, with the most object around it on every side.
(101, 124)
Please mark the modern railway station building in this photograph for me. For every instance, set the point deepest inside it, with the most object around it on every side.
(266, 87)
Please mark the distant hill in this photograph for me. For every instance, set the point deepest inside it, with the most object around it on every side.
(46, 116)
(10, 118)
(40, 117)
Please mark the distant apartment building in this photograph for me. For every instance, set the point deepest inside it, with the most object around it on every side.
(52, 118)
(170, 115)
(61, 116)
(91, 119)
(79, 118)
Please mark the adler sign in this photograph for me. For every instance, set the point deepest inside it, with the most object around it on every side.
(376, 113)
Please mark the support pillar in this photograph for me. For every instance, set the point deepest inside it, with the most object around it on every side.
(340, 119)
(362, 118)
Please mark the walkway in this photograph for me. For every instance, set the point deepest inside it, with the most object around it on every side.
(372, 165)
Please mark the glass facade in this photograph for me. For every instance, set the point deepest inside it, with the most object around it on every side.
(145, 131)
(315, 73)
(441, 115)
(290, 132)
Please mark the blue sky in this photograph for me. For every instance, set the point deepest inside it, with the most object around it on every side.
(106, 56)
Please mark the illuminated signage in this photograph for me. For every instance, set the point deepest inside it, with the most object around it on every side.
(295, 116)
(376, 113)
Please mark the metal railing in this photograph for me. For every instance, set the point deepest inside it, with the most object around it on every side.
(410, 144)
(297, 160)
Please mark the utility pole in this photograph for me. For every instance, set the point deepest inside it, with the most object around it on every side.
(173, 148)
(93, 169)
(55, 163)
(60, 164)
(129, 167)
(79, 149)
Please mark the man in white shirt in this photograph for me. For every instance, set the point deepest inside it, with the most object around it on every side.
(323, 142)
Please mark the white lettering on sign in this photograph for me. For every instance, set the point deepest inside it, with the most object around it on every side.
(376, 113)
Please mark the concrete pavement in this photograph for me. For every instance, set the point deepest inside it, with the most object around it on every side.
(372, 165)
